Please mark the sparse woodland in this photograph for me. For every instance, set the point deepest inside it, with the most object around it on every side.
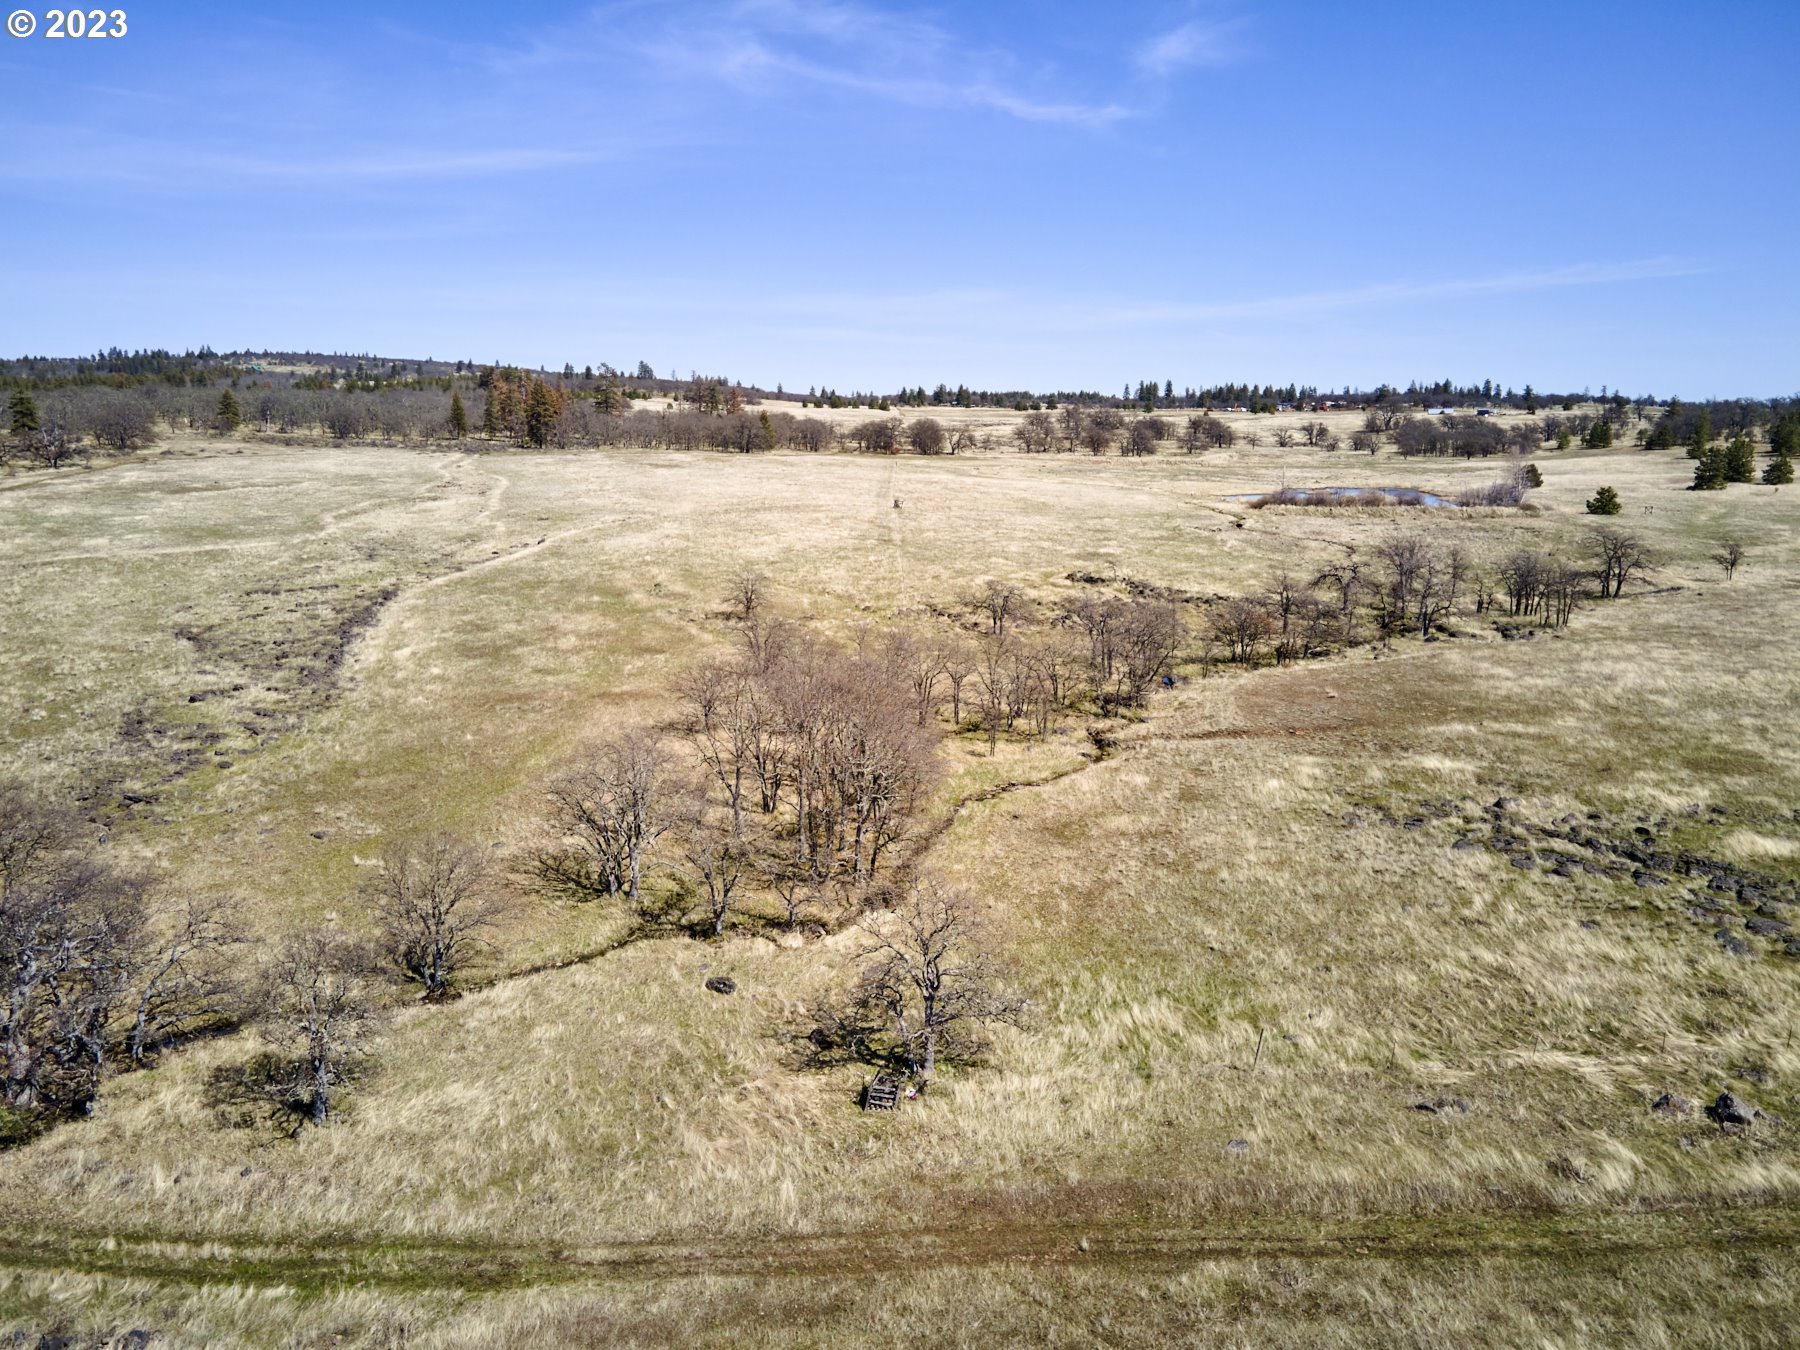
(541, 805)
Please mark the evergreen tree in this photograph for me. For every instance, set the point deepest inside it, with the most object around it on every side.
(1599, 436)
(1740, 461)
(541, 410)
(22, 413)
(1533, 477)
(1605, 502)
(1784, 436)
(1702, 437)
(229, 415)
(1778, 471)
(1709, 473)
(459, 417)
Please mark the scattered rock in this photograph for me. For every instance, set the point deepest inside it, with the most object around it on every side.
(1589, 924)
(135, 798)
(722, 984)
(1734, 945)
(1672, 1104)
(318, 834)
(1465, 844)
(1440, 1106)
(1648, 880)
(1768, 927)
(1729, 1110)
(1239, 1146)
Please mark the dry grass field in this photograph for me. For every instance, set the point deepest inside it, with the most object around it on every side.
(1291, 907)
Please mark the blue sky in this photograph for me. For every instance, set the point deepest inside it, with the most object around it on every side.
(864, 195)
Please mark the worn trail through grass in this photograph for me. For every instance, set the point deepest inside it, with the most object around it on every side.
(1603, 1239)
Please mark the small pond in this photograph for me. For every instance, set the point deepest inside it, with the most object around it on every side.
(1343, 496)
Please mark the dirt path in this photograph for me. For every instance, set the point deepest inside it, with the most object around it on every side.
(1584, 1237)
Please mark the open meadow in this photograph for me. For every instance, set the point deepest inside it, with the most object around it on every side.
(1352, 980)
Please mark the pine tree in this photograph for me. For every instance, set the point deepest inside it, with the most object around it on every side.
(1740, 461)
(1709, 473)
(459, 416)
(22, 413)
(1778, 471)
(229, 415)
(1599, 436)
(541, 410)
(1533, 477)
(1605, 502)
(1702, 437)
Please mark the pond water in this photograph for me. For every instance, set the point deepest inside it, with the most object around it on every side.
(1344, 496)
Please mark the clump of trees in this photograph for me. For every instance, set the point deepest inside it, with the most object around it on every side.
(805, 767)
(101, 971)
(1540, 587)
(92, 978)
(1411, 583)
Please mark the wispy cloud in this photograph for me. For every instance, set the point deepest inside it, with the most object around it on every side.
(767, 46)
(1195, 43)
(996, 310)
(1400, 292)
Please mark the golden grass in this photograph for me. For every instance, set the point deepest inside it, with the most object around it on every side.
(1170, 908)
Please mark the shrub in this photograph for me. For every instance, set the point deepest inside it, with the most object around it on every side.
(1605, 502)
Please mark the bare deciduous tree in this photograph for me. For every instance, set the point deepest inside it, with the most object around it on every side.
(1036, 433)
(1730, 557)
(1619, 555)
(605, 813)
(930, 976)
(188, 978)
(317, 1009)
(717, 856)
(432, 898)
(71, 934)
(927, 437)
(999, 604)
(1244, 626)
(748, 593)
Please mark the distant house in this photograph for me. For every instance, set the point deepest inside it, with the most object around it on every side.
(1484, 412)
(1440, 412)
